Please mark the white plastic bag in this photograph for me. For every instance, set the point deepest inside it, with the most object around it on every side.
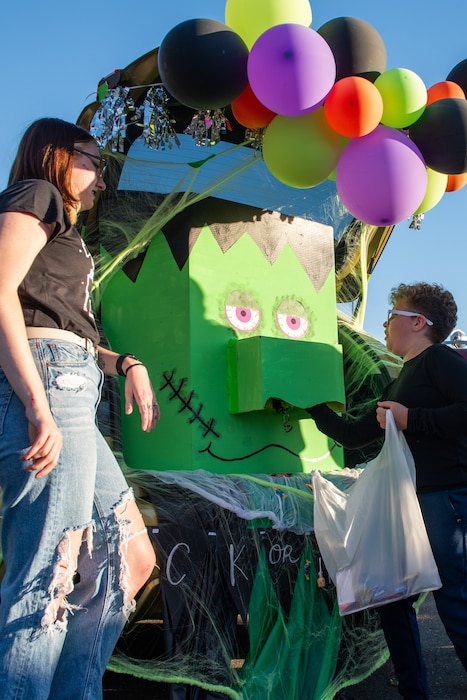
(372, 537)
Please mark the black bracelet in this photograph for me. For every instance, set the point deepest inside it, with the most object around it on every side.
(119, 362)
(135, 364)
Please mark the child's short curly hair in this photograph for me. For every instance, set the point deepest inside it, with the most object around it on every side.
(431, 300)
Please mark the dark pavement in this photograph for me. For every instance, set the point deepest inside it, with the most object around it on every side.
(447, 678)
(446, 675)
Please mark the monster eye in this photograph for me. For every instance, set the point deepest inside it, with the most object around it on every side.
(293, 326)
(292, 318)
(242, 318)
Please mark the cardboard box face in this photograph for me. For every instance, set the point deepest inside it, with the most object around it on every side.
(233, 309)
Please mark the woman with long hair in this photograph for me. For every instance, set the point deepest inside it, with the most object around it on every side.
(73, 540)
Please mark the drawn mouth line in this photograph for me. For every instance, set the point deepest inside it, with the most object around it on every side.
(263, 449)
(208, 426)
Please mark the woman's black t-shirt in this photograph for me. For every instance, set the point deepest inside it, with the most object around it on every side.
(56, 292)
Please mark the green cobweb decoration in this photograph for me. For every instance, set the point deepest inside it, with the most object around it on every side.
(275, 634)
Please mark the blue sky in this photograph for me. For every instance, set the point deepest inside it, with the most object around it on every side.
(54, 54)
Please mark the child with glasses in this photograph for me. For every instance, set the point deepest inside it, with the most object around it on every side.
(429, 403)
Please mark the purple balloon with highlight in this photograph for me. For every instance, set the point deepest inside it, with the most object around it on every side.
(291, 69)
(381, 178)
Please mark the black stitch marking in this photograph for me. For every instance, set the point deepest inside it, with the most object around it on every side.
(176, 388)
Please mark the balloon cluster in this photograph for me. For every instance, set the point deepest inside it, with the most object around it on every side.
(326, 103)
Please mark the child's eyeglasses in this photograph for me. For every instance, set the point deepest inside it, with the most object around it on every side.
(399, 312)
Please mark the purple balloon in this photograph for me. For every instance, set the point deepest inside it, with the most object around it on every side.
(291, 69)
(381, 178)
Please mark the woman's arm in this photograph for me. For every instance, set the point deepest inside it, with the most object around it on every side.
(22, 236)
(138, 387)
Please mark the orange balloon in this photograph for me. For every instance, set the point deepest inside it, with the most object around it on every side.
(249, 111)
(456, 182)
(354, 106)
(443, 89)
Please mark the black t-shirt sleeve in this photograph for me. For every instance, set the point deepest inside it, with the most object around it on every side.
(447, 417)
(349, 433)
(39, 198)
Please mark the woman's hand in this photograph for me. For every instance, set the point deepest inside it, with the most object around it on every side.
(138, 388)
(399, 412)
(46, 441)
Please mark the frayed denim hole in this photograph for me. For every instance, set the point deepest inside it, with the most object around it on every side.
(127, 532)
(55, 616)
(70, 381)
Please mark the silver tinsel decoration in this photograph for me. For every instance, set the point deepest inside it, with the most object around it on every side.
(117, 110)
(207, 126)
(109, 122)
(416, 221)
(158, 127)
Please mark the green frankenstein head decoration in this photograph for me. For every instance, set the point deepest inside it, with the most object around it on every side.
(233, 310)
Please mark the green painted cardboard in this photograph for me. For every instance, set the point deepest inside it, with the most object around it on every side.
(260, 369)
(203, 293)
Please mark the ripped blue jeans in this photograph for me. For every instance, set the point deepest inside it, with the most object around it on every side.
(48, 650)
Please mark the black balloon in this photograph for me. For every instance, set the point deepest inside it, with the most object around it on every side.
(441, 135)
(459, 75)
(357, 47)
(203, 64)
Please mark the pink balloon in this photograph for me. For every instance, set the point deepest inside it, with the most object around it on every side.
(381, 178)
(291, 69)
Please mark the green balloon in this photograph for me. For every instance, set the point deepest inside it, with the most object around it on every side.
(436, 187)
(404, 97)
(250, 18)
(301, 151)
